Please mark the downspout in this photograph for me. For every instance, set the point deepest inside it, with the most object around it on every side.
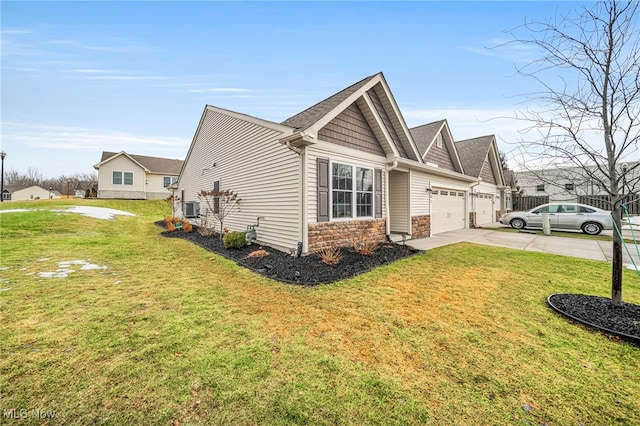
(393, 166)
(303, 198)
(430, 191)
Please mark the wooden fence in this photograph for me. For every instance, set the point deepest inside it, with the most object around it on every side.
(528, 202)
(632, 201)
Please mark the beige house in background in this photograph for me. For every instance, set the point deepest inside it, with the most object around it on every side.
(26, 193)
(135, 177)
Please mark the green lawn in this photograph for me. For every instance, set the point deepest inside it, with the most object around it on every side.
(168, 333)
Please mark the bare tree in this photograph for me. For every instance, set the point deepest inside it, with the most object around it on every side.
(220, 204)
(87, 182)
(587, 112)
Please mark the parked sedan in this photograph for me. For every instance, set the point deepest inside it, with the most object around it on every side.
(588, 219)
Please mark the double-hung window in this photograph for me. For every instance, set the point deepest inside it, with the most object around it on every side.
(351, 191)
(168, 180)
(122, 178)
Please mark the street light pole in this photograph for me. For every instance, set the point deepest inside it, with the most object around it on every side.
(2, 155)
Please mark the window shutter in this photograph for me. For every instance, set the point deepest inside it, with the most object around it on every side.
(216, 199)
(323, 189)
(378, 193)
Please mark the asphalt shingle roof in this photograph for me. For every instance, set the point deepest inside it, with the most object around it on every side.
(423, 135)
(311, 115)
(473, 152)
(153, 164)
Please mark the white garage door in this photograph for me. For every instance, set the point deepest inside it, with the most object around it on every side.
(447, 211)
(485, 212)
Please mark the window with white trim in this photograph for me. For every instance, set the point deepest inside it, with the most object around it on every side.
(122, 178)
(168, 180)
(351, 191)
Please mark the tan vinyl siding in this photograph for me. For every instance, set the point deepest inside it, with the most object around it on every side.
(250, 161)
(419, 194)
(399, 202)
(351, 129)
(354, 159)
(487, 172)
(387, 122)
(440, 156)
(122, 163)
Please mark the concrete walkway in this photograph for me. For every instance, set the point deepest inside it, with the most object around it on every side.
(565, 246)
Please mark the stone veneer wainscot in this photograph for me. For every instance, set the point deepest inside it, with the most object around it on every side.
(420, 226)
(342, 234)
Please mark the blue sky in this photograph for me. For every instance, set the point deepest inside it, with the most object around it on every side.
(79, 78)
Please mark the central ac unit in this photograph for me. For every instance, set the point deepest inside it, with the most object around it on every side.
(191, 209)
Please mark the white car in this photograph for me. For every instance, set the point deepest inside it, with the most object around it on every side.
(587, 219)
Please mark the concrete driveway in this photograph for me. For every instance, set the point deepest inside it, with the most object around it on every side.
(565, 246)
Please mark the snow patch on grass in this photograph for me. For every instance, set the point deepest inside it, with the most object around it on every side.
(66, 267)
(89, 211)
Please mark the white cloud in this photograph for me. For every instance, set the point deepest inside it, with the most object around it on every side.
(76, 138)
(506, 49)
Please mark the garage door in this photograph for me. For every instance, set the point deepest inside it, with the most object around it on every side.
(447, 211)
(485, 209)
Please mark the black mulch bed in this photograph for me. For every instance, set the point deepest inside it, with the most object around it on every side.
(598, 312)
(305, 270)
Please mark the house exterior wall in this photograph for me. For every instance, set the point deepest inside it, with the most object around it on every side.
(247, 158)
(440, 157)
(106, 189)
(324, 235)
(32, 193)
(420, 202)
(155, 186)
(484, 188)
(350, 129)
(342, 230)
(399, 204)
(487, 172)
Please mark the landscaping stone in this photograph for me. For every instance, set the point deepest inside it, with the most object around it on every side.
(305, 270)
(598, 312)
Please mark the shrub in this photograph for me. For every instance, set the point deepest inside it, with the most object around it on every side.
(187, 226)
(330, 255)
(259, 253)
(206, 227)
(171, 219)
(364, 246)
(170, 226)
(234, 239)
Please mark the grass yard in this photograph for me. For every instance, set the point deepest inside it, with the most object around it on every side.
(164, 332)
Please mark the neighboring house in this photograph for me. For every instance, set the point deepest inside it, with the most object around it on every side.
(138, 177)
(480, 159)
(571, 184)
(347, 168)
(25, 193)
(510, 194)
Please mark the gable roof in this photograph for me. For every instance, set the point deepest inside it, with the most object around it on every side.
(509, 178)
(473, 153)
(425, 135)
(375, 98)
(150, 164)
(311, 115)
